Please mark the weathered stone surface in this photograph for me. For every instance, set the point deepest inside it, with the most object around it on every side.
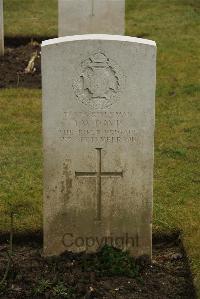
(98, 130)
(1, 29)
(91, 16)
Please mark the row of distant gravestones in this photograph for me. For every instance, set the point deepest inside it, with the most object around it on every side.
(85, 16)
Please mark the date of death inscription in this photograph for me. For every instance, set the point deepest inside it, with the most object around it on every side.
(99, 128)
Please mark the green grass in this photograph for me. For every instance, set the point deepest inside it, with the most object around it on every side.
(175, 26)
(31, 18)
(20, 159)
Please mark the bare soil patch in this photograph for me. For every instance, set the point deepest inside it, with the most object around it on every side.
(78, 275)
(14, 64)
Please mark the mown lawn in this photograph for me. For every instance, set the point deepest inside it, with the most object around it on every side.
(31, 18)
(21, 159)
(175, 26)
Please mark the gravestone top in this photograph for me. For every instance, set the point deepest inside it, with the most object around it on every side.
(98, 132)
(98, 37)
(91, 16)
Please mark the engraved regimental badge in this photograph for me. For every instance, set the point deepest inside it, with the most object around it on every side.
(99, 82)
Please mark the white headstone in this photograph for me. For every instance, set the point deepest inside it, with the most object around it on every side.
(91, 16)
(98, 130)
(1, 29)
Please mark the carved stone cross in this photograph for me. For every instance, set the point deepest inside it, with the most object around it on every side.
(98, 174)
(92, 8)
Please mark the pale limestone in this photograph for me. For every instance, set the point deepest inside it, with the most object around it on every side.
(1, 29)
(91, 16)
(98, 131)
